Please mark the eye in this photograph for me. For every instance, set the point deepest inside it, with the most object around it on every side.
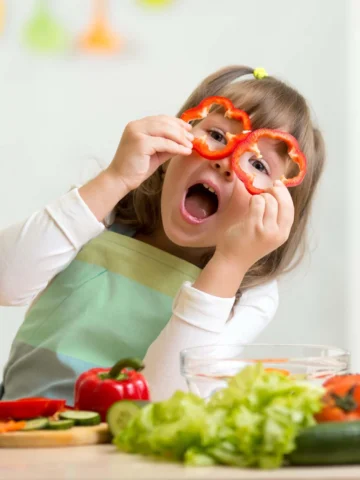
(258, 165)
(217, 136)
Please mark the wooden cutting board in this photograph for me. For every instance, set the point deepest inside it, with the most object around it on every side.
(56, 438)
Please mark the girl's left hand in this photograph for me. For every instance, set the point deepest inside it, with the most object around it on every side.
(266, 227)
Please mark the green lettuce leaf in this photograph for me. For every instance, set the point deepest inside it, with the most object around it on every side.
(253, 422)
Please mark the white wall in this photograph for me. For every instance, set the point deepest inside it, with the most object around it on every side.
(57, 113)
(353, 176)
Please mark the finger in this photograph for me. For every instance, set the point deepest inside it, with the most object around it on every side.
(186, 125)
(257, 210)
(285, 215)
(173, 120)
(271, 211)
(168, 127)
(180, 122)
(164, 145)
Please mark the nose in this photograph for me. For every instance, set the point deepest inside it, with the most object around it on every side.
(224, 169)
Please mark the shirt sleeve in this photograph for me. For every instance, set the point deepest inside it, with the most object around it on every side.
(201, 319)
(34, 251)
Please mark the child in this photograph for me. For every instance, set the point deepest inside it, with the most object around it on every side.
(180, 267)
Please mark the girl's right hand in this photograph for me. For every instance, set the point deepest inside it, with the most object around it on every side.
(146, 144)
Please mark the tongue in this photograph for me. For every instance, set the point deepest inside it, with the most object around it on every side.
(199, 206)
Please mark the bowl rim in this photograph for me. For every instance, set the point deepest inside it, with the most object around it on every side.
(341, 351)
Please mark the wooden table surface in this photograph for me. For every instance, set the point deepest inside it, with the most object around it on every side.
(103, 462)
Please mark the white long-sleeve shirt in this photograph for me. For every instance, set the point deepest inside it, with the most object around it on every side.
(33, 252)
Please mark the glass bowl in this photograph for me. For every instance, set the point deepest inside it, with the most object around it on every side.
(207, 369)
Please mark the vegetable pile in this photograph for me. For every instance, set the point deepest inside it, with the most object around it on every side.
(264, 418)
(253, 422)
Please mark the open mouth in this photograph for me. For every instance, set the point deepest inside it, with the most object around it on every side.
(201, 202)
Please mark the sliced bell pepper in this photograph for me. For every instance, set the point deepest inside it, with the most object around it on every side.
(250, 144)
(27, 408)
(202, 110)
(97, 389)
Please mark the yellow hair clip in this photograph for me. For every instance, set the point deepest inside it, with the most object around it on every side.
(260, 73)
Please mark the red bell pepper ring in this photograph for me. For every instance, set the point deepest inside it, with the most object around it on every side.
(27, 408)
(97, 389)
(202, 111)
(249, 144)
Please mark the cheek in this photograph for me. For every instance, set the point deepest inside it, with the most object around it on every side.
(239, 205)
(172, 190)
(170, 183)
(165, 199)
(178, 171)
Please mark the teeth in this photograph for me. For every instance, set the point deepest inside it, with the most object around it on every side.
(205, 185)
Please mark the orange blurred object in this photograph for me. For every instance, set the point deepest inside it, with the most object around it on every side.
(278, 370)
(269, 360)
(11, 426)
(100, 38)
(2, 15)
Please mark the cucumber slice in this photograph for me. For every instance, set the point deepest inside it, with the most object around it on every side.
(36, 424)
(61, 424)
(81, 417)
(121, 412)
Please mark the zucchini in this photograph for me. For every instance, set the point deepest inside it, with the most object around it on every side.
(61, 424)
(331, 443)
(121, 412)
(81, 417)
(36, 424)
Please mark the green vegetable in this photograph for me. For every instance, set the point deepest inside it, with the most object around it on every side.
(61, 424)
(253, 422)
(81, 417)
(36, 424)
(121, 412)
(332, 443)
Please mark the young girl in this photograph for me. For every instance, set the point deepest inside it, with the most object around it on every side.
(180, 267)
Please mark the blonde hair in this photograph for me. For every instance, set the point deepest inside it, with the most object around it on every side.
(271, 104)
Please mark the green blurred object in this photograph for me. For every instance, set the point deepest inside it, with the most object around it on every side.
(44, 33)
(155, 3)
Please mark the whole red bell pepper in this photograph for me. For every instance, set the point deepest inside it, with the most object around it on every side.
(97, 389)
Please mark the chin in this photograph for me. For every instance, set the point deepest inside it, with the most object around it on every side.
(188, 237)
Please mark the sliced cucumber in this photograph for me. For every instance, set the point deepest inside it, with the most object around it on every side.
(120, 413)
(332, 443)
(81, 417)
(61, 424)
(36, 424)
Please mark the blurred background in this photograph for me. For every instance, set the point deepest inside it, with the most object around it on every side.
(64, 105)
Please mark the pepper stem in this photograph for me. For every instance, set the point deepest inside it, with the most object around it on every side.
(346, 403)
(134, 363)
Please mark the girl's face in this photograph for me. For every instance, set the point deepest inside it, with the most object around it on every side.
(202, 198)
